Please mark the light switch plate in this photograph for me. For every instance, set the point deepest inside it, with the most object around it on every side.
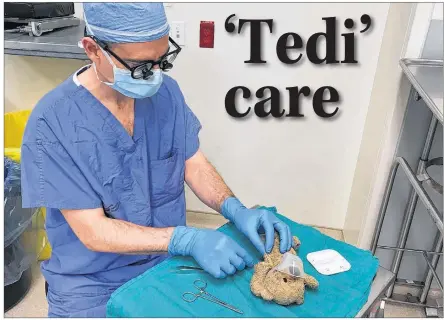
(177, 32)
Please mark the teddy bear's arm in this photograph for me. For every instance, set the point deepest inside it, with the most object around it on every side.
(311, 282)
(257, 281)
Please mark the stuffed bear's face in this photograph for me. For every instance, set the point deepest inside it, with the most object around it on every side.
(271, 284)
(284, 288)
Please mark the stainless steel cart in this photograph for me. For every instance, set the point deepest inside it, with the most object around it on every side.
(427, 78)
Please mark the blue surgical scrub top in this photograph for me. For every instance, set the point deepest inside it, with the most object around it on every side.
(77, 155)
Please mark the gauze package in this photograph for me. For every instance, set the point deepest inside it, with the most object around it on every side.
(328, 262)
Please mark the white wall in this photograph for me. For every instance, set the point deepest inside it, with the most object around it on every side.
(78, 8)
(383, 122)
(304, 167)
(27, 79)
(438, 11)
(422, 15)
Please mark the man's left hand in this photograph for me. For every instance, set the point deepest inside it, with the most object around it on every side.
(253, 222)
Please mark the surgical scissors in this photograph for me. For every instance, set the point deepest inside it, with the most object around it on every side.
(201, 286)
(187, 269)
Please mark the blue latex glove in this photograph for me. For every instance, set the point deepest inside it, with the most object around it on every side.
(215, 252)
(252, 222)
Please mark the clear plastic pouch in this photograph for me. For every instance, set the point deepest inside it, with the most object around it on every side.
(291, 265)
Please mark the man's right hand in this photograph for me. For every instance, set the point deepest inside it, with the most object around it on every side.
(215, 252)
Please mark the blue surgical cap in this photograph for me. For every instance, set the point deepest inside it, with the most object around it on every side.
(126, 22)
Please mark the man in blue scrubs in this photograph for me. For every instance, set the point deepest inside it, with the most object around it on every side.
(108, 151)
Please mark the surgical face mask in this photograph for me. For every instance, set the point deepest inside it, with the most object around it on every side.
(133, 88)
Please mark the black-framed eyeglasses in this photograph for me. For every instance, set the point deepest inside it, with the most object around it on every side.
(142, 70)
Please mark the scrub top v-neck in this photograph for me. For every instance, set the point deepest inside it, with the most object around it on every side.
(77, 155)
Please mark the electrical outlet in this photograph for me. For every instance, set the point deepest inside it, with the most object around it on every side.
(177, 32)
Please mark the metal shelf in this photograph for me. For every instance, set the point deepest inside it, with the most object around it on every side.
(427, 77)
(62, 43)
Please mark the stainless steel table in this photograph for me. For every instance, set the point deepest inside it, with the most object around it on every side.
(427, 78)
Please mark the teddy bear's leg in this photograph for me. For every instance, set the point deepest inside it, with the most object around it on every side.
(299, 299)
(266, 295)
(311, 282)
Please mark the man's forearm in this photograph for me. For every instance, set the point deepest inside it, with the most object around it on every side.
(206, 183)
(118, 236)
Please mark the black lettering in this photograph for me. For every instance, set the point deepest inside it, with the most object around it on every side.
(330, 40)
(294, 93)
(367, 21)
(230, 98)
(275, 103)
(349, 45)
(318, 101)
(282, 47)
(229, 26)
(255, 38)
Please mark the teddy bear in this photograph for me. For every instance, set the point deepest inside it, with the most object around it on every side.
(274, 285)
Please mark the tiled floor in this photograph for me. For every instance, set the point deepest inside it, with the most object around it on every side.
(34, 304)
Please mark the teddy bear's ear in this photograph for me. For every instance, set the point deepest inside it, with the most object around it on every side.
(296, 242)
